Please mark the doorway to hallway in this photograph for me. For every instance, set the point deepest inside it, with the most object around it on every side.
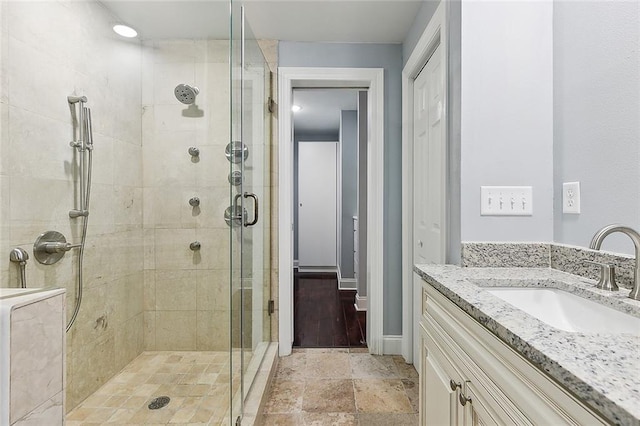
(371, 80)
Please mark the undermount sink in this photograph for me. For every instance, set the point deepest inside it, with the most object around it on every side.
(566, 311)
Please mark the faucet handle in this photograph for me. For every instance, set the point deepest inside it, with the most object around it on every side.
(607, 276)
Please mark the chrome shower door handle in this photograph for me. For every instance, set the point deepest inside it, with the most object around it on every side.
(255, 208)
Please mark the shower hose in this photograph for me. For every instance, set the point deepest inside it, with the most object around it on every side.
(83, 240)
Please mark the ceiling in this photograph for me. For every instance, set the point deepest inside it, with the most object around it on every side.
(356, 21)
(365, 21)
(321, 108)
(350, 21)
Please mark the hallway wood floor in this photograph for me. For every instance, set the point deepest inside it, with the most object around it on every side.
(325, 317)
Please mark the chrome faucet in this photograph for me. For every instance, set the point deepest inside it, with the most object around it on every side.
(599, 236)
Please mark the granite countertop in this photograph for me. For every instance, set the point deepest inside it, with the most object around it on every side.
(601, 370)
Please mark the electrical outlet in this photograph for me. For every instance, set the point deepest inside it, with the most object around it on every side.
(506, 201)
(571, 197)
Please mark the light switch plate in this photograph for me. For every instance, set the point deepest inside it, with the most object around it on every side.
(506, 201)
(571, 197)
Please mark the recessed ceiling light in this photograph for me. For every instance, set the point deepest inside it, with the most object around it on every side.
(296, 108)
(125, 31)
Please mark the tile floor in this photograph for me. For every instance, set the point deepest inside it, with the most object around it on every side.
(342, 387)
(196, 382)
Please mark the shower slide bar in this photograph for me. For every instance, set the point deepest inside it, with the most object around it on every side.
(83, 143)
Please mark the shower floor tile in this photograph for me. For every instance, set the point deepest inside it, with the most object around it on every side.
(196, 382)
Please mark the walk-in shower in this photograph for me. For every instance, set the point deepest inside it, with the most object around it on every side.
(164, 299)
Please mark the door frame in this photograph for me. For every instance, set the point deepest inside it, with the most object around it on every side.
(358, 78)
(434, 35)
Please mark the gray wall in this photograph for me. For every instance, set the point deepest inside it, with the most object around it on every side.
(389, 57)
(349, 208)
(507, 115)
(597, 118)
(305, 137)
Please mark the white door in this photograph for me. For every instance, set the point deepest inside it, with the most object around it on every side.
(317, 204)
(429, 156)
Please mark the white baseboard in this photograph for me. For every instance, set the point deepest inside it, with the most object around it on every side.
(320, 269)
(392, 345)
(361, 303)
(346, 283)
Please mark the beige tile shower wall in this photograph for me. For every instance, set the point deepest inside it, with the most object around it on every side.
(50, 50)
(185, 292)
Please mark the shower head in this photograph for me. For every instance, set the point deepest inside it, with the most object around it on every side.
(186, 94)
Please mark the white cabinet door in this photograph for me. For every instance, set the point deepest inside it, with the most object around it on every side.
(438, 400)
(317, 204)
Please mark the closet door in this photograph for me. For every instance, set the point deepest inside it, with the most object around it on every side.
(317, 204)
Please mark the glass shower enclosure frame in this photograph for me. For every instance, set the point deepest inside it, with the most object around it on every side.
(249, 198)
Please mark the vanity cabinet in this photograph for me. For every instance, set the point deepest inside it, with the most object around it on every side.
(470, 377)
(452, 397)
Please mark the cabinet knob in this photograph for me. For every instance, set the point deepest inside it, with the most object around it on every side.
(454, 385)
(464, 399)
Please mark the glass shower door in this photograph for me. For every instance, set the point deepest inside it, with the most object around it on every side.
(249, 197)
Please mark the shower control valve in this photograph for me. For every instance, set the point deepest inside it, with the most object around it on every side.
(194, 201)
(51, 246)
